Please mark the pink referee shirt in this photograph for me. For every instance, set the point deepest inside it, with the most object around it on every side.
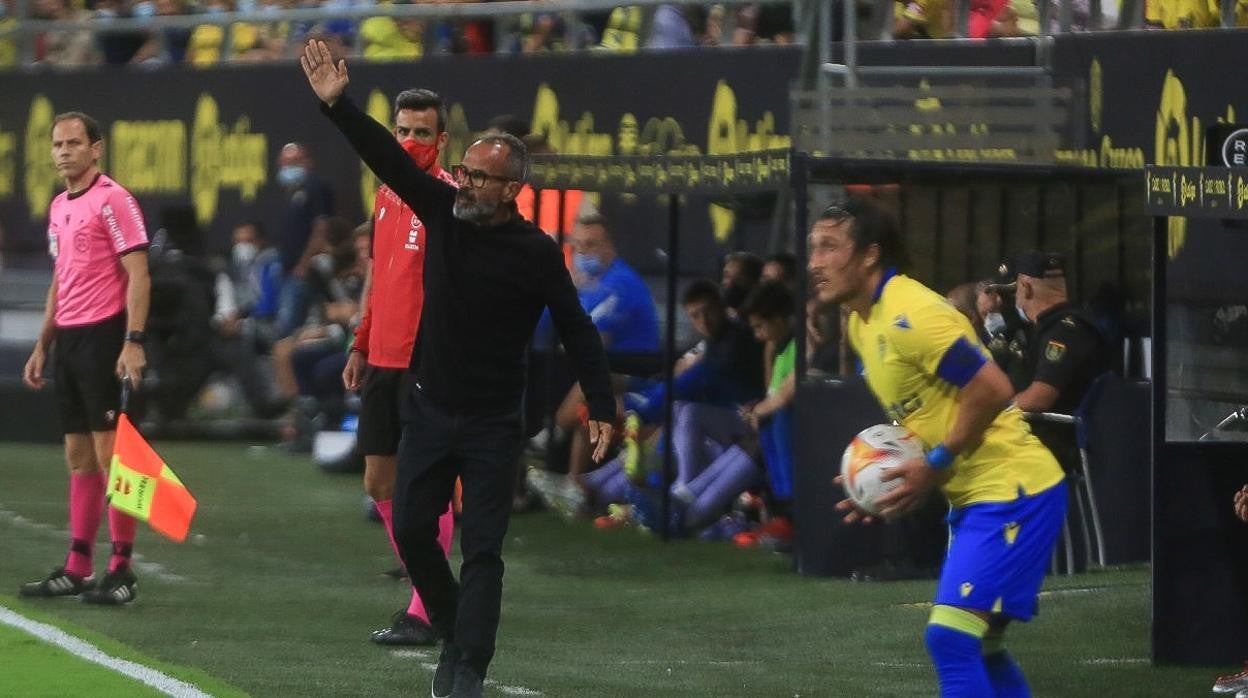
(87, 234)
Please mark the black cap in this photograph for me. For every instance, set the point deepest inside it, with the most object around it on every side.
(1041, 265)
(1004, 278)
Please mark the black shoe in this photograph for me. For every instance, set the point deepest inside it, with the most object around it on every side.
(117, 588)
(57, 583)
(467, 683)
(405, 630)
(444, 675)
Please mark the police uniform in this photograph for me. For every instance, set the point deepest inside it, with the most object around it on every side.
(1067, 352)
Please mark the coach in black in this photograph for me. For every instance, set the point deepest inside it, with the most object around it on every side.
(488, 275)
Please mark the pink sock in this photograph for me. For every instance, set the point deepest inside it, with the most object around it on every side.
(446, 530)
(121, 527)
(86, 504)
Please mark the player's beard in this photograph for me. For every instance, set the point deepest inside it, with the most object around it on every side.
(473, 210)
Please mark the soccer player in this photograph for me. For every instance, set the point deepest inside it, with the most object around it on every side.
(384, 339)
(93, 323)
(1007, 496)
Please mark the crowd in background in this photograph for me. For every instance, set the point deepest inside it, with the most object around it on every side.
(623, 29)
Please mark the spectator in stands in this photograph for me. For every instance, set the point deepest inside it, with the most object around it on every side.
(63, 47)
(8, 47)
(166, 45)
(673, 27)
(245, 314)
(392, 38)
(741, 274)
(1180, 14)
(622, 33)
(765, 24)
(308, 198)
(1235, 684)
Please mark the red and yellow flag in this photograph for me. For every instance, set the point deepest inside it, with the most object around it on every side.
(141, 485)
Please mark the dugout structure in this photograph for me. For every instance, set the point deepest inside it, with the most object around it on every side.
(727, 179)
(1200, 550)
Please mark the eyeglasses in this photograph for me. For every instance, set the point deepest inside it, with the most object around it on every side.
(477, 178)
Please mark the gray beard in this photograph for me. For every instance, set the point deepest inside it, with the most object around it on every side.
(473, 213)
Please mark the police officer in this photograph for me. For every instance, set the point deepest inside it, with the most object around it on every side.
(1065, 352)
(1063, 356)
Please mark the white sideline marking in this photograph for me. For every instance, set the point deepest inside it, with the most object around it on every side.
(149, 569)
(80, 648)
(431, 667)
(1116, 660)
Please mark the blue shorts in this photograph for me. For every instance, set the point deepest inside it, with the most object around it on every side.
(999, 552)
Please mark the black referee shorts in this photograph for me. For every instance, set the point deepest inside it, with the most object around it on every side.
(88, 393)
(380, 397)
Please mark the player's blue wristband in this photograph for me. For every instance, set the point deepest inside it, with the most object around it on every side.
(939, 457)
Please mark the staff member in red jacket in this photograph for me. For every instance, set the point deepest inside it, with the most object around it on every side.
(393, 297)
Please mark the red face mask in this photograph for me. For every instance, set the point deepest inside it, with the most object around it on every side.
(424, 155)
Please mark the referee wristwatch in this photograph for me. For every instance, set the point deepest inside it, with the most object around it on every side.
(137, 336)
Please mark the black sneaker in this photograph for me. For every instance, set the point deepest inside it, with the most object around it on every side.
(117, 588)
(444, 675)
(467, 683)
(57, 583)
(406, 630)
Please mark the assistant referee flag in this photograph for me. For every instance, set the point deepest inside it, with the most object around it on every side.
(141, 485)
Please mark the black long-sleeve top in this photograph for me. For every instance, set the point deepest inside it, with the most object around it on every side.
(485, 288)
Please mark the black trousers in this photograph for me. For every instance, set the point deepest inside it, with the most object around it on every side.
(437, 446)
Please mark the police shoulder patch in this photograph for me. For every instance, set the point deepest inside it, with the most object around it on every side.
(1054, 350)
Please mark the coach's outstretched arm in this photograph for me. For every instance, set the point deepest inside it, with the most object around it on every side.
(428, 196)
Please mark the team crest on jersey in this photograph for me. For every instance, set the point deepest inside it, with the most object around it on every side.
(1054, 350)
(1011, 532)
(413, 234)
(966, 589)
(381, 215)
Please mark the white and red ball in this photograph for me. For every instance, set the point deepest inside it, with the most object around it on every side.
(872, 453)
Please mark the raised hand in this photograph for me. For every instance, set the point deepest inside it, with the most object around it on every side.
(327, 80)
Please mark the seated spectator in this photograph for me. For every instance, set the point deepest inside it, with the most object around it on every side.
(741, 274)
(63, 47)
(623, 30)
(922, 19)
(245, 315)
(613, 294)
(164, 46)
(1181, 14)
(308, 364)
(770, 313)
(780, 267)
(674, 27)
(8, 45)
(392, 38)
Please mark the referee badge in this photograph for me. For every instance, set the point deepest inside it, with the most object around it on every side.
(1054, 351)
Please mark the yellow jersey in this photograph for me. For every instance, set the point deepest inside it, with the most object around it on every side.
(917, 351)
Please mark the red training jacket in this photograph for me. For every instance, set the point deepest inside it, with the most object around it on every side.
(388, 329)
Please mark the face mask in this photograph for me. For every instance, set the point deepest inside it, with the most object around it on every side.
(246, 7)
(245, 252)
(143, 10)
(994, 323)
(292, 175)
(424, 155)
(1021, 314)
(586, 264)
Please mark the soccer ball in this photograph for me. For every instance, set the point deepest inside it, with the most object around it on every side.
(873, 451)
